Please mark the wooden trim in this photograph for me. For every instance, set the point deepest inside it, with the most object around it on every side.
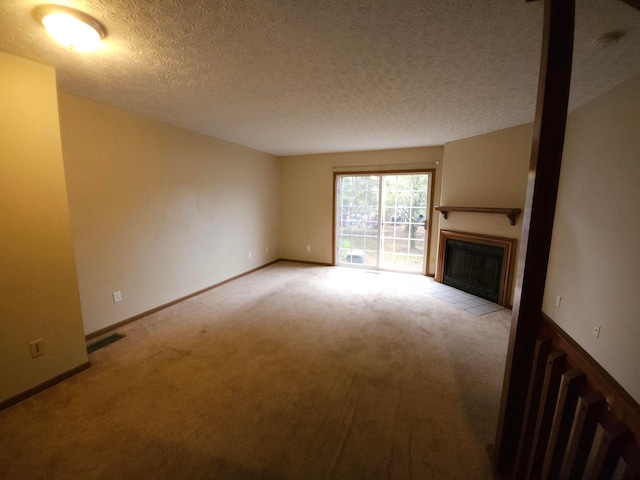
(507, 244)
(334, 209)
(620, 403)
(578, 422)
(306, 262)
(102, 331)
(432, 215)
(537, 223)
(364, 173)
(43, 386)
(511, 213)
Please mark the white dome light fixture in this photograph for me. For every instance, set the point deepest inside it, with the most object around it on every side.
(70, 27)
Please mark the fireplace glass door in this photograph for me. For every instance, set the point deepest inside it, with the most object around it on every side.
(474, 268)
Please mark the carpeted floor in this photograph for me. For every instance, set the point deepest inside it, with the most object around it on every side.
(292, 372)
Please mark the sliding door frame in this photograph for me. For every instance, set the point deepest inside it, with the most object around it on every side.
(430, 195)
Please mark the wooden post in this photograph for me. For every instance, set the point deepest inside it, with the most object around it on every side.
(542, 190)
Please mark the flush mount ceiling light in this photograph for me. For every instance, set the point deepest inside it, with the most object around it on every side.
(70, 27)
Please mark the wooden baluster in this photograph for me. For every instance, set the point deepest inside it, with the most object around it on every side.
(549, 397)
(536, 381)
(607, 450)
(584, 426)
(570, 384)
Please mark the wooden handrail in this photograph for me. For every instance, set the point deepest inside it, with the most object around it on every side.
(511, 213)
(578, 421)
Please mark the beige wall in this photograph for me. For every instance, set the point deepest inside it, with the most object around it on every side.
(159, 212)
(307, 195)
(488, 170)
(595, 253)
(38, 285)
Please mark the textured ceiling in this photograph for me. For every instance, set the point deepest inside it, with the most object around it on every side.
(309, 76)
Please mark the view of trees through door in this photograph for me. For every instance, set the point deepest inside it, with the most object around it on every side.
(381, 220)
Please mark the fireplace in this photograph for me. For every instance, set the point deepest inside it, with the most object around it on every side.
(478, 264)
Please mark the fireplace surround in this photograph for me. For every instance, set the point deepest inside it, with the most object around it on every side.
(479, 264)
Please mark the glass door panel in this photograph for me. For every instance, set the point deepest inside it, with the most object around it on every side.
(404, 199)
(357, 222)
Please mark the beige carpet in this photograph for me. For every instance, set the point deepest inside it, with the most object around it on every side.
(292, 372)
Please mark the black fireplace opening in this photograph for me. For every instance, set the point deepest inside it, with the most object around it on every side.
(473, 267)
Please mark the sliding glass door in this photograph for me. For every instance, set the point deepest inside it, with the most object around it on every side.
(381, 220)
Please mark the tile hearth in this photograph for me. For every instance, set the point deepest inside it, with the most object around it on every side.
(462, 300)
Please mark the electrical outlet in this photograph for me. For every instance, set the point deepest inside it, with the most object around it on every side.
(266, 250)
(36, 348)
(596, 331)
(558, 298)
(249, 254)
(308, 248)
(117, 297)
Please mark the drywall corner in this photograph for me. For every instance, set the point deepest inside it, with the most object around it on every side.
(40, 298)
